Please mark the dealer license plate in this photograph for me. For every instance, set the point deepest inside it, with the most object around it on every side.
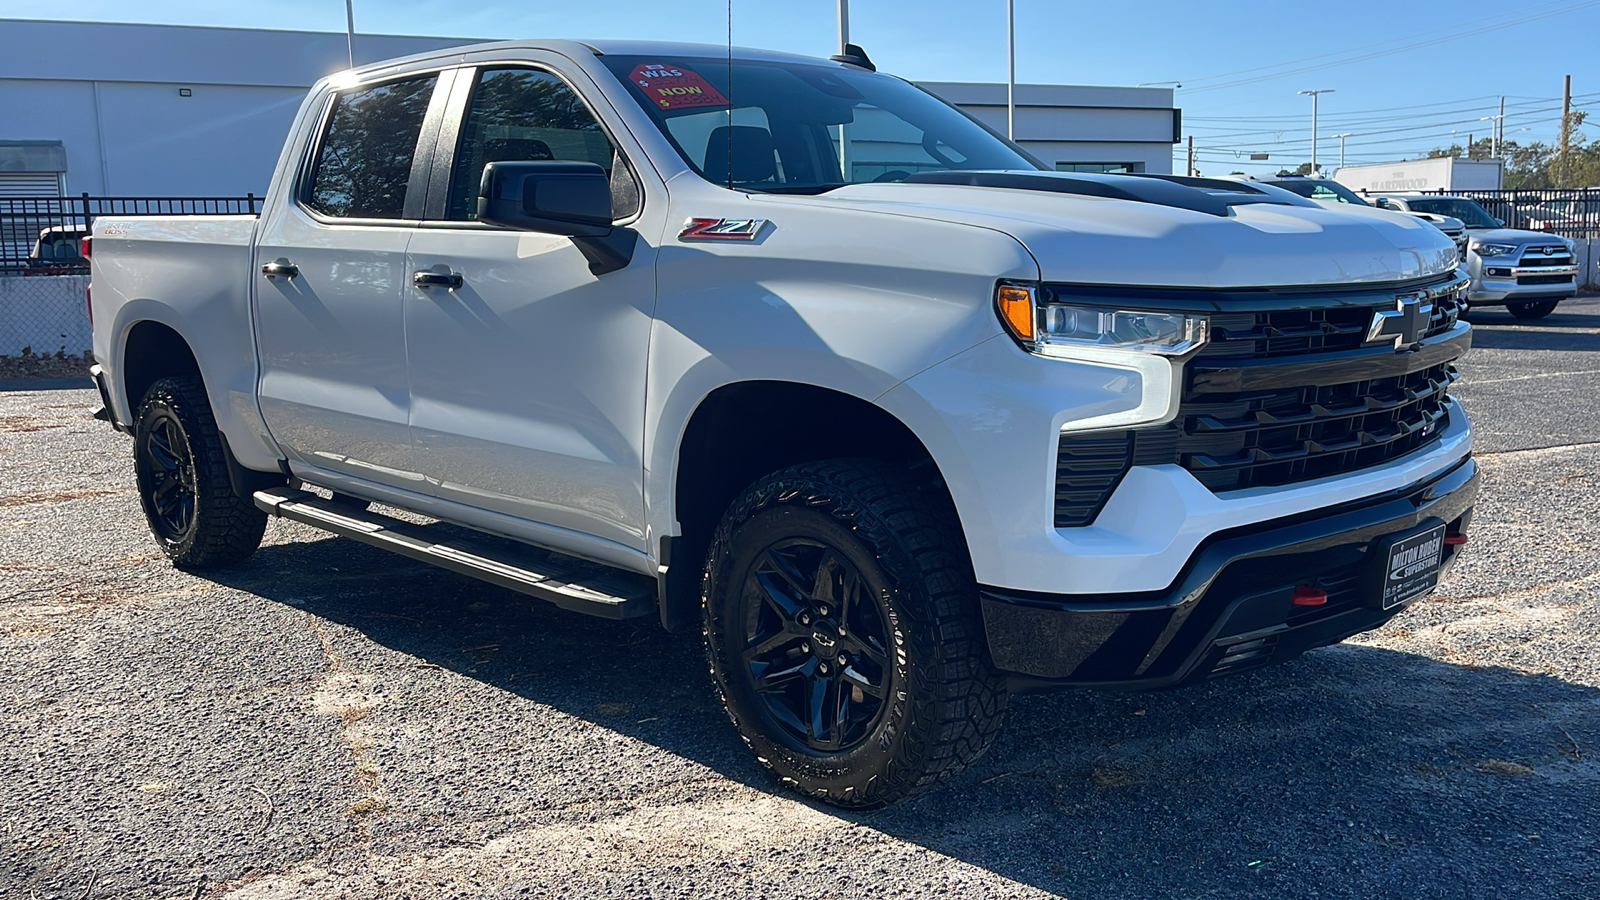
(1413, 566)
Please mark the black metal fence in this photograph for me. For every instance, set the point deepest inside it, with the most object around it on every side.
(41, 235)
(1573, 213)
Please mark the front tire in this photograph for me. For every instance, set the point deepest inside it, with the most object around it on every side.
(844, 635)
(1536, 309)
(182, 471)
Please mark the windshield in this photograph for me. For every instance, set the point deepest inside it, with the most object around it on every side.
(1468, 211)
(1321, 190)
(805, 128)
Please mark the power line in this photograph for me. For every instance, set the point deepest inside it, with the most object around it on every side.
(1522, 16)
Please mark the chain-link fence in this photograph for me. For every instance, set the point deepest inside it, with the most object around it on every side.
(44, 277)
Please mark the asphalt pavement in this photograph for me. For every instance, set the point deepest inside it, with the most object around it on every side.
(331, 721)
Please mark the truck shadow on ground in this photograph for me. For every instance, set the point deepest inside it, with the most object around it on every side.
(1354, 771)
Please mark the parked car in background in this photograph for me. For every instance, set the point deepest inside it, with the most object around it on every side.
(897, 439)
(1327, 192)
(58, 250)
(1527, 272)
(1568, 215)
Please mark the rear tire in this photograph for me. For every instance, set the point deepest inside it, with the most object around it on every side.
(844, 635)
(1536, 309)
(182, 470)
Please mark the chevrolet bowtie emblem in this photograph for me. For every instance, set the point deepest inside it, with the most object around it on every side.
(1407, 323)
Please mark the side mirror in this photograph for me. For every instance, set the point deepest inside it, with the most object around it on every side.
(1500, 222)
(568, 198)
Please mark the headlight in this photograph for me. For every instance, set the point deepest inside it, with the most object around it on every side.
(1494, 249)
(1046, 326)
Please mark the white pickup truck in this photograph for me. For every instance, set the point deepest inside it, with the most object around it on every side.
(790, 351)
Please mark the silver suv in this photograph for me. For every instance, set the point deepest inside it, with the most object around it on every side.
(1528, 272)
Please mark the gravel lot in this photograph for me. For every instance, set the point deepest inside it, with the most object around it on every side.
(332, 721)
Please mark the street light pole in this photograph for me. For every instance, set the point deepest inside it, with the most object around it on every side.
(1011, 70)
(350, 30)
(1341, 138)
(1314, 94)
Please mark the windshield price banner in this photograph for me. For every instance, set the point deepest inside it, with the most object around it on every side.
(676, 87)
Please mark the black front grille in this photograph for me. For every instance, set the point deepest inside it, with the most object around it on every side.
(1266, 335)
(1257, 438)
(1539, 259)
(1280, 333)
(1544, 279)
(1316, 427)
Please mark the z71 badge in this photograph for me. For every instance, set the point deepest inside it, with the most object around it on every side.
(721, 229)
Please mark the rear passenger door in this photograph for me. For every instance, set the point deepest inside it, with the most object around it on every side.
(334, 388)
(528, 378)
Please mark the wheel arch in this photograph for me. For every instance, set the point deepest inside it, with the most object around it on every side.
(744, 430)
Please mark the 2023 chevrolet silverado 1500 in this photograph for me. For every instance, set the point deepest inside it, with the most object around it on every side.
(793, 352)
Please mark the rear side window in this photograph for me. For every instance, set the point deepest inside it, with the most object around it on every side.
(364, 157)
(522, 115)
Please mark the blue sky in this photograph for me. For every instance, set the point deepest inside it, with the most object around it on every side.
(1405, 75)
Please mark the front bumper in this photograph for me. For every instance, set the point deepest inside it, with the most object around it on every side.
(1230, 609)
(1497, 289)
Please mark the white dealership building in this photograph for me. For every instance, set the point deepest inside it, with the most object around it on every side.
(176, 111)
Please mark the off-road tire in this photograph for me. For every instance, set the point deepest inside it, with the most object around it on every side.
(221, 527)
(945, 702)
(1535, 309)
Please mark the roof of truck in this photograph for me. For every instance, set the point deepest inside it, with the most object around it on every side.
(602, 48)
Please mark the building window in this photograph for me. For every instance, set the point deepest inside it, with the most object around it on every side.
(1109, 168)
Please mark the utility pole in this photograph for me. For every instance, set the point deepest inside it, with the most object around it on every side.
(1191, 155)
(1469, 145)
(844, 25)
(1500, 127)
(1341, 138)
(1314, 95)
(350, 30)
(1566, 131)
(1011, 69)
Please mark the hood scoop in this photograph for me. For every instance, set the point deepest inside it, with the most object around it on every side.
(1203, 195)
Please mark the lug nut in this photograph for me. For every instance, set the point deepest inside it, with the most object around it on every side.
(843, 661)
(822, 610)
(805, 648)
(805, 619)
(823, 668)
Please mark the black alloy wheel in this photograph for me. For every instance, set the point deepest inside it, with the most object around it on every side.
(816, 645)
(166, 476)
(844, 635)
(181, 463)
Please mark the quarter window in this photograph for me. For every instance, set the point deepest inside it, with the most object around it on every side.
(364, 158)
(522, 115)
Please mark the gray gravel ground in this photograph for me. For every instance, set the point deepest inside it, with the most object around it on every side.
(331, 721)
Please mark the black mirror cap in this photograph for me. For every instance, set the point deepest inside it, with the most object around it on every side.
(552, 197)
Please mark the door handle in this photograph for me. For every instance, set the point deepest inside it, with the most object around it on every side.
(280, 268)
(427, 279)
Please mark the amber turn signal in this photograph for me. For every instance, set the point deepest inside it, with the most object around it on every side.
(1015, 305)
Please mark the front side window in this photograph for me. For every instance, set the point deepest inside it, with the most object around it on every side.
(797, 127)
(522, 115)
(364, 158)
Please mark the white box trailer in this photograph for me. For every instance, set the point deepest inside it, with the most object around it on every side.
(1445, 173)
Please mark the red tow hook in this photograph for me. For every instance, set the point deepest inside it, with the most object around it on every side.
(1309, 596)
(1455, 539)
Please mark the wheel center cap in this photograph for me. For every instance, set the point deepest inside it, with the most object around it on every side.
(824, 642)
